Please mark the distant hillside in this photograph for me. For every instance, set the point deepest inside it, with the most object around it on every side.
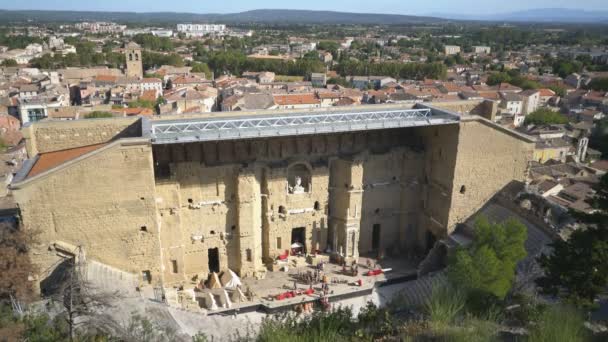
(539, 15)
(255, 16)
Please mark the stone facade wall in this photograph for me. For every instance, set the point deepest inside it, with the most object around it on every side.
(105, 203)
(242, 197)
(237, 197)
(440, 158)
(487, 159)
(49, 136)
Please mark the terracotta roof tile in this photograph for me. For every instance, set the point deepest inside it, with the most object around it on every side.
(148, 95)
(49, 160)
(106, 78)
(296, 99)
(546, 92)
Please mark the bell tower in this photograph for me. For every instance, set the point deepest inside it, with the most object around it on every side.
(133, 60)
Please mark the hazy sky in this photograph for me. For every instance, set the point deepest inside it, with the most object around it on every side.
(376, 6)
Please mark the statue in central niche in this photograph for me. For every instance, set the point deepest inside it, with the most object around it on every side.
(297, 188)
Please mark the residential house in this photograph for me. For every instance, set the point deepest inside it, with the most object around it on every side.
(297, 101)
(575, 196)
(482, 50)
(188, 81)
(574, 80)
(318, 79)
(545, 94)
(249, 101)
(511, 103)
(451, 49)
(552, 149)
(600, 167)
(326, 57)
(36, 108)
(546, 187)
(191, 100)
(531, 99)
(375, 82)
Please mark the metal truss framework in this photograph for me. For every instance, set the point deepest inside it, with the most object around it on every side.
(180, 131)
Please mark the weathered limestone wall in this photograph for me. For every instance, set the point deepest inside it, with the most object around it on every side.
(296, 210)
(197, 212)
(391, 199)
(104, 202)
(487, 159)
(249, 212)
(441, 143)
(346, 205)
(49, 136)
(238, 197)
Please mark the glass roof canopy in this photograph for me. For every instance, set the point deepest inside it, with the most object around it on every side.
(354, 119)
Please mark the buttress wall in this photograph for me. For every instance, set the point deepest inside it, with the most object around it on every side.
(104, 202)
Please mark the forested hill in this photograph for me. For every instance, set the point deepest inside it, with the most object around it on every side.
(255, 16)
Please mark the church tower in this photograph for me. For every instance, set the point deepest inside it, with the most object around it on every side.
(133, 58)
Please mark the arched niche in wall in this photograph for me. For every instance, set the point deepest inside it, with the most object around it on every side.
(298, 179)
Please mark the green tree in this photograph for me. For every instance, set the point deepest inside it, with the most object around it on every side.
(543, 116)
(559, 91)
(599, 83)
(98, 114)
(9, 62)
(599, 137)
(497, 78)
(142, 104)
(340, 81)
(151, 42)
(577, 268)
(488, 265)
(201, 67)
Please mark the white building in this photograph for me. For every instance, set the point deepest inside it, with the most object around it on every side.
(531, 99)
(451, 49)
(100, 27)
(199, 30)
(511, 103)
(56, 42)
(482, 49)
(137, 85)
(162, 33)
(36, 109)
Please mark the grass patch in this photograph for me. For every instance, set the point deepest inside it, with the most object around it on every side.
(559, 324)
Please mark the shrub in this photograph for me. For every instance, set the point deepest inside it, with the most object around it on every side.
(559, 324)
(544, 116)
(444, 305)
(98, 114)
(488, 265)
(334, 326)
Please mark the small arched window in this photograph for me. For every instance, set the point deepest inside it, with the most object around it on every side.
(136, 56)
(463, 189)
(130, 57)
(317, 205)
(282, 210)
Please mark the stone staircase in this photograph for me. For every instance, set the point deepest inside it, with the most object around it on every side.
(110, 279)
(415, 293)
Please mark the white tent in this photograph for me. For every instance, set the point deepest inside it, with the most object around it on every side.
(230, 279)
